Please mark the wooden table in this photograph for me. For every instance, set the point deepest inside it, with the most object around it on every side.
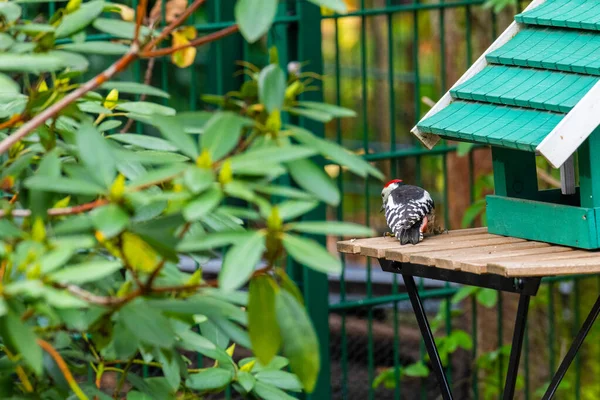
(475, 257)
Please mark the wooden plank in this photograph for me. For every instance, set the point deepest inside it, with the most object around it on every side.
(406, 254)
(354, 246)
(430, 140)
(486, 245)
(534, 220)
(574, 128)
(588, 265)
(477, 263)
(378, 249)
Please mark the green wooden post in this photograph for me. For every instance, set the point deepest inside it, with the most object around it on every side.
(589, 171)
(514, 173)
(306, 37)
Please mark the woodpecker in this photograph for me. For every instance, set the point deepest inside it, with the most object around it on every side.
(409, 211)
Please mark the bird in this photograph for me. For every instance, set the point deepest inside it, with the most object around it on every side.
(409, 211)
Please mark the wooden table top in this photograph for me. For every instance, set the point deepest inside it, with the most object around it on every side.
(477, 251)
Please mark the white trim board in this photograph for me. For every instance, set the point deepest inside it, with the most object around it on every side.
(575, 127)
(429, 139)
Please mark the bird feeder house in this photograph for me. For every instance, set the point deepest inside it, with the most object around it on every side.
(535, 92)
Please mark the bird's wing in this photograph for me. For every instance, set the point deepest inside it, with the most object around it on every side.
(402, 215)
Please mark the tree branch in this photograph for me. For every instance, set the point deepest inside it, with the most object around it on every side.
(176, 22)
(194, 43)
(60, 211)
(62, 365)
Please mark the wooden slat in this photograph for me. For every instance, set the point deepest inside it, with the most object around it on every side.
(587, 265)
(479, 246)
(375, 247)
(477, 263)
(406, 254)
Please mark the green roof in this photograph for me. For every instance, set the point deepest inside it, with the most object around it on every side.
(530, 82)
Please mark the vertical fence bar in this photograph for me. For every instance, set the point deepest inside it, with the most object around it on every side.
(500, 313)
(315, 284)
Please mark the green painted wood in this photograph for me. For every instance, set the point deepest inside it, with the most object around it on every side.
(514, 173)
(499, 125)
(526, 87)
(589, 170)
(578, 14)
(551, 48)
(546, 222)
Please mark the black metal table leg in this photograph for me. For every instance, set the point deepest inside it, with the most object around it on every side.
(517, 345)
(438, 368)
(575, 346)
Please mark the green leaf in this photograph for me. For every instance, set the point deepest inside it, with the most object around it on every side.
(96, 47)
(281, 379)
(336, 153)
(146, 108)
(240, 261)
(158, 176)
(262, 322)
(134, 87)
(463, 293)
(125, 342)
(147, 323)
(63, 185)
(110, 220)
(271, 87)
(416, 370)
(300, 344)
(313, 179)
(270, 392)
(22, 339)
(32, 63)
(333, 110)
(170, 366)
(10, 11)
(203, 204)
(108, 125)
(255, 17)
(210, 379)
(56, 258)
(246, 380)
(198, 179)
(312, 254)
(202, 304)
(472, 212)
(281, 191)
(211, 241)
(338, 6)
(222, 133)
(143, 141)
(172, 129)
(6, 41)
(292, 209)
(85, 272)
(7, 85)
(118, 28)
(96, 154)
(332, 228)
(464, 148)
(487, 297)
(82, 17)
(316, 115)
(151, 157)
(194, 121)
(271, 154)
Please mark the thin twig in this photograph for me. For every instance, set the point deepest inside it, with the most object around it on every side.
(20, 372)
(62, 365)
(60, 211)
(194, 43)
(12, 121)
(176, 22)
(147, 81)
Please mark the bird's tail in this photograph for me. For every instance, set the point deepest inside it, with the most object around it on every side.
(412, 235)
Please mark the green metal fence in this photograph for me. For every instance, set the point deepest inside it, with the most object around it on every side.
(381, 59)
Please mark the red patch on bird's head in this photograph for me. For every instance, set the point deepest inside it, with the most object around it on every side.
(393, 181)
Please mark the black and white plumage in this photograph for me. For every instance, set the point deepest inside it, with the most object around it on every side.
(409, 211)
